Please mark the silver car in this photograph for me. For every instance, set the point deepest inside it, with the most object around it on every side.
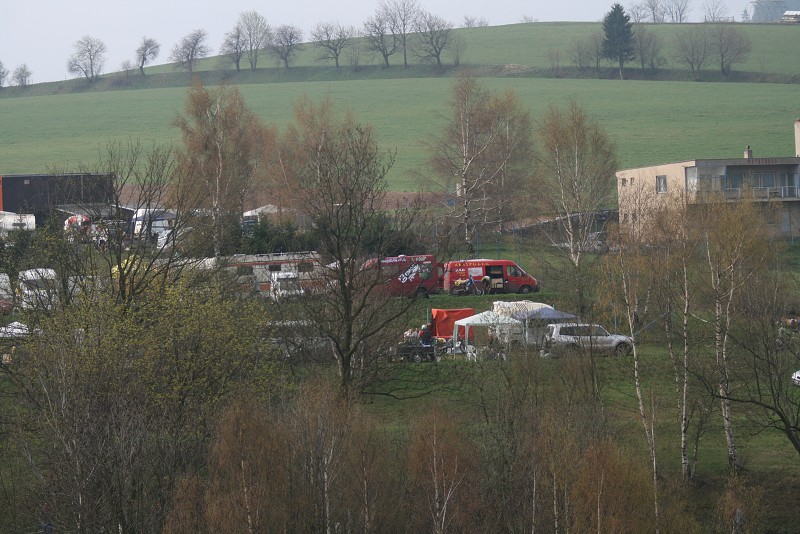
(572, 338)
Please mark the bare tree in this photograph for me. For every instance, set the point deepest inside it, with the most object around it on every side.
(286, 43)
(127, 66)
(433, 37)
(575, 176)
(730, 44)
(147, 52)
(402, 15)
(335, 173)
(678, 10)
(189, 49)
(220, 135)
(88, 59)
(379, 35)
(676, 240)
(330, 39)
(485, 148)
(233, 46)
(3, 74)
(715, 11)
(595, 49)
(579, 52)
(736, 248)
(475, 22)
(656, 10)
(256, 34)
(648, 48)
(457, 47)
(692, 48)
(441, 463)
(630, 276)
(769, 353)
(21, 76)
(638, 12)
(554, 59)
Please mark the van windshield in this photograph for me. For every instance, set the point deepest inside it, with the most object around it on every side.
(40, 283)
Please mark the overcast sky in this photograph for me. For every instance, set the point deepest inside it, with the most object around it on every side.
(41, 33)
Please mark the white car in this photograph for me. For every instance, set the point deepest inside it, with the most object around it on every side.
(575, 337)
(796, 378)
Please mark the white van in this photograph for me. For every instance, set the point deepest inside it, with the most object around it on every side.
(37, 289)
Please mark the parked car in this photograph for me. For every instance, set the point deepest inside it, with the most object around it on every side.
(568, 338)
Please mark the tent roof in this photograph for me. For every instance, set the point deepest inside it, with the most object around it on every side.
(486, 318)
(515, 306)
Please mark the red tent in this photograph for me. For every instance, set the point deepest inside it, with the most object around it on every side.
(443, 321)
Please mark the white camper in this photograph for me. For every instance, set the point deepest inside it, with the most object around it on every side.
(37, 289)
(16, 221)
(285, 285)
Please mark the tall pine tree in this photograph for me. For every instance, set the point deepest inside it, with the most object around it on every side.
(618, 42)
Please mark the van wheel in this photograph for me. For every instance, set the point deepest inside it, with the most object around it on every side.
(525, 290)
(421, 293)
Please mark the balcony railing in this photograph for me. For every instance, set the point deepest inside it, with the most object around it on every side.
(788, 192)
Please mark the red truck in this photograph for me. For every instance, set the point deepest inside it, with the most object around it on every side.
(408, 276)
(505, 276)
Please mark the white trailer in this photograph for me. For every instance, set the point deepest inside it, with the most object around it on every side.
(16, 221)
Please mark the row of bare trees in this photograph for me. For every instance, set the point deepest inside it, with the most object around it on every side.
(676, 11)
(696, 47)
(397, 26)
(20, 76)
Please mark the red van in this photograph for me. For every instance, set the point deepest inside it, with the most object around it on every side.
(408, 276)
(506, 276)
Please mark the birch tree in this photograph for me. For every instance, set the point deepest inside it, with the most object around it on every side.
(575, 168)
(221, 136)
(484, 154)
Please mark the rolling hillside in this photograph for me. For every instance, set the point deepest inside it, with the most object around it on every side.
(59, 125)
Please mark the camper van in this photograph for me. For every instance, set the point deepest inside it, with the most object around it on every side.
(262, 268)
(285, 285)
(505, 275)
(37, 289)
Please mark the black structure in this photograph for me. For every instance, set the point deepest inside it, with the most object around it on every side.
(44, 194)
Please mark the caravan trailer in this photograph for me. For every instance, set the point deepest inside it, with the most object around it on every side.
(37, 289)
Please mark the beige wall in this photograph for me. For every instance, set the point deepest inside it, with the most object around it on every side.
(638, 194)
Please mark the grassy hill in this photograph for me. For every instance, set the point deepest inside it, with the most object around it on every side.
(59, 124)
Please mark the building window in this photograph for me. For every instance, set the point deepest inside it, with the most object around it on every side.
(661, 184)
(631, 180)
(733, 181)
(624, 182)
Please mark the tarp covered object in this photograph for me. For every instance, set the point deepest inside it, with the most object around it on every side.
(443, 320)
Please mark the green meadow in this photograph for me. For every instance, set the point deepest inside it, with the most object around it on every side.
(650, 122)
(60, 125)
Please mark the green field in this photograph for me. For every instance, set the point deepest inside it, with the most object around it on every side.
(59, 125)
(651, 122)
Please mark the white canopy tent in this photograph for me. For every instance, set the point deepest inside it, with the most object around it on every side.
(488, 319)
